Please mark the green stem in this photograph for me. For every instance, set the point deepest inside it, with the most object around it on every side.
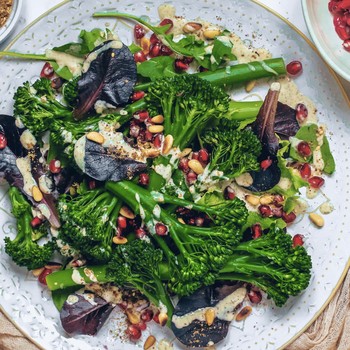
(242, 110)
(28, 56)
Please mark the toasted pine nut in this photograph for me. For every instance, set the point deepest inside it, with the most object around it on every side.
(250, 85)
(168, 143)
(210, 316)
(253, 200)
(95, 137)
(163, 319)
(36, 193)
(191, 27)
(37, 272)
(185, 152)
(132, 317)
(158, 119)
(317, 219)
(267, 199)
(196, 166)
(149, 342)
(150, 152)
(181, 220)
(127, 212)
(244, 313)
(120, 240)
(211, 32)
(145, 44)
(155, 129)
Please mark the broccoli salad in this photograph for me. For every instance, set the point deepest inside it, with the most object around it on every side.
(140, 180)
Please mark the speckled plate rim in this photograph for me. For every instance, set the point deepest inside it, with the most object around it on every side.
(345, 96)
(320, 47)
(12, 20)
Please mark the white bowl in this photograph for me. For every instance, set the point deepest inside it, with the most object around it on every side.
(7, 28)
(320, 25)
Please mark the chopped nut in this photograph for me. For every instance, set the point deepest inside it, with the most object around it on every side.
(316, 219)
(185, 152)
(168, 143)
(132, 317)
(155, 129)
(250, 85)
(244, 313)
(191, 27)
(196, 166)
(95, 137)
(150, 152)
(253, 200)
(149, 342)
(211, 32)
(181, 220)
(127, 212)
(163, 319)
(210, 316)
(158, 119)
(37, 272)
(267, 199)
(120, 240)
(36, 193)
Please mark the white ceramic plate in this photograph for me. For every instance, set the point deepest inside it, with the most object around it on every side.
(319, 22)
(7, 28)
(269, 328)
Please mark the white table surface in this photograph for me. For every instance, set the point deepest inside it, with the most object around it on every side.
(290, 9)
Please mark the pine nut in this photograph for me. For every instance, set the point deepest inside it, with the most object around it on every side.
(316, 219)
(127, 212)
(244, 313)
(267, 199)
(181, 220)
(163, 319)
(185, 152)
(196, 166)
(210, 316)
(37, 272)
(252, 200)
(150, 152)
(95, 137)
(132, 317)
(36, 193)
(145, 44)
(250, 85)
(211, 32)
(155, 129)
(168, 143)
(119, 240)
(149, 342)
(158, 119)
(191, 27)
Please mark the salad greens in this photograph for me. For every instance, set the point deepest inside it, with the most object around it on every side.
(148, 177)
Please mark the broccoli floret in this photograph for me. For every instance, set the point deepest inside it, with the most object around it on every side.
(233, 151)
(89, 223)
(37, 107)
(70, 92)
(200, 251)
(23, 249)
(271, 263)
(188, 105)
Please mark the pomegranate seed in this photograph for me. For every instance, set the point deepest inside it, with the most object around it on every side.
(56, 83)
(134, 130)
(166, 51)
(278, 199)
(203, 156)
(277, 212)
(256, 231)
(342, 31)
(199, 221)
(161, 229)
(142, 115)
(191, 177)
(55, 166)
(92, 184)
(137, 95)
(148, 136)
(294, 68)
(47, 71)
(183, 165)
(187, 60)
(229, 193)
(3, 141)
(305, 171)
(143, 179)
(346, 43)
(304, 149)
(265, 211)
(156, 317)
(36, 222)
(316, 181)
(191, 221)
(122, 222)
(254, 296)
(157, 141)
(298, 239)
(147, 315)
(154, 50)
(140, 232)
(134, 332)
(265, 164)
(139, 32)
(139, 57)
(301, 112)
(288, 218)
(195, 155)
(180, 65)
(154, 39)
(167, 21)
(141, 326)
(42, 276)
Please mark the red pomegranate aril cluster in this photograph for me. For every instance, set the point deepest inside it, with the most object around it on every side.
(304, 149)
(265, 211)
(161, 229)
(305, 171)
(47, 71)
(294, 68)
(340, 10)
(134, 332)
(298, 240)
(316, 182)
(147, 315)
(139, 32)
(254, 296)
(140, 57)
(143, 179)
(3, 141)
(36, 222)
(55, 166)
(288, 218)
(301, 112)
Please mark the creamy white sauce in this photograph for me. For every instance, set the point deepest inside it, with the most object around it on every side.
(44, 210)
(67, 136)
(90, 274)
(79, 153)
(284, 183)
(73, 63)
(25, 168)
(156, 211)
(165, 344)
(141, 210)
(27, 140)
(244, 180)
(18, 123)
(165, 171)
(77, 277)
(326, 208)
(111, 294)
(72, 299)
(45, 184)
(157, 196)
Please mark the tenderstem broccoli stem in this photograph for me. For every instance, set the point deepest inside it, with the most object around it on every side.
(26, 56)
(239, 73)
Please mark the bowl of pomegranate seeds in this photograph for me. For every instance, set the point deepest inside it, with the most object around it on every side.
(328, 22)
